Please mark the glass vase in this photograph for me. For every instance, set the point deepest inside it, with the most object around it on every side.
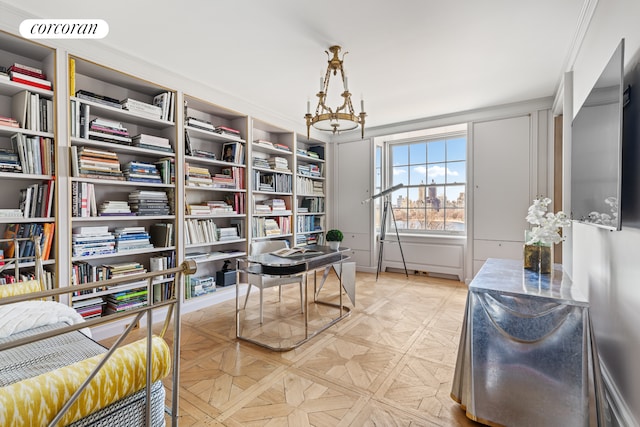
(538, 257)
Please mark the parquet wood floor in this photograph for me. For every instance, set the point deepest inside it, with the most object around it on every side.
(390, 363)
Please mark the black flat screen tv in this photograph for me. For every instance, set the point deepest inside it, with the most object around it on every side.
(596, 149)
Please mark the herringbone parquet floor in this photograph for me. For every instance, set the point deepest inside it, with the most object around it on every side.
(390, 363)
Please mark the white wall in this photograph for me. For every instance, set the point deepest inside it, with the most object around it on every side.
(606, 263)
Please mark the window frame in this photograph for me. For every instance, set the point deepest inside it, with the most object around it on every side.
(433, 136)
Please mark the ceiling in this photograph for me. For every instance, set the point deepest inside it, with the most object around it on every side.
(409, 59)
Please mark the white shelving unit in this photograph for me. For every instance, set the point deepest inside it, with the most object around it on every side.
(272, 182)
(310, 191)
(145, 183)
(34, 110)
(215, 227)
(198, 133)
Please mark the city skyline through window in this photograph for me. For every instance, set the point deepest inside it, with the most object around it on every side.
(433, 173)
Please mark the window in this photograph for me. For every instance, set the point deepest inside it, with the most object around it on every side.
(432, 170)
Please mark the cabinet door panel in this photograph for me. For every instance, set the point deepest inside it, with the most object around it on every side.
(352, 187)
(501, 176)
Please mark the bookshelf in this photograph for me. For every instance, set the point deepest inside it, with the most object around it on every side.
(99, 174)
(215, 218)
(272, 182)
(27, 157)
(310, 192)
(122, 189)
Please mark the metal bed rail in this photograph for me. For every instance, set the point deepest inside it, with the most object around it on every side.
(173, 304)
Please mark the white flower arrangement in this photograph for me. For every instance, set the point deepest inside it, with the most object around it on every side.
(546, 225)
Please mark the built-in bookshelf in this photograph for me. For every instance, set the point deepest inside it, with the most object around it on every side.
(149, 176)
(27, 159)
(215, 188)
(122, 151)
(310, 191)
(272, 182)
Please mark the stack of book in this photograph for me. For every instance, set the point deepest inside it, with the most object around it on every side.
(279, 164)
(142, 108)
(92, 240)
(198, 210)
(132, 239)
(99, 99)
(149, 202)
(198, 176)
(281, 147)
(165, 102)
(142, 172)
(262, 209)
(227, 233)
(200, 286)
(225, 130)
(309, 170)
(11, 213)
(223, 180)
(277, 206)
(219, 207)
(114, 208)
(89, 308)
(271, 227)
(152, 142)
(263, 143)
(124, 269)
(126, 300)
(259, 162)
(95, 163)
(317, 152)
(9, 121)
(108, 131)
(200, 124)
(9, 161)
(30, 76)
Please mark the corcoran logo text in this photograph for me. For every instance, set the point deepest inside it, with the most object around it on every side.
(64, 28)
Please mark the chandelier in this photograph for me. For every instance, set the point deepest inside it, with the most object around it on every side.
(343, 118)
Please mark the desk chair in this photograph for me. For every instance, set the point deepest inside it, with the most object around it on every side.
(262, 282)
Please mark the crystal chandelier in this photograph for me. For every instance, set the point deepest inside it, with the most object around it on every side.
(343, 118)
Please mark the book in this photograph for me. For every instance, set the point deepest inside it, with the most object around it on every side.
(290, 252)
(72, 76)
(19, 106)
(30, 80)
(100, 99)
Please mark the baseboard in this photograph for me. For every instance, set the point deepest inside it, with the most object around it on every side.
(619, 409)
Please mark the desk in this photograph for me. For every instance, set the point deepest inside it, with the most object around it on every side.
(301, 265)
(527, 355)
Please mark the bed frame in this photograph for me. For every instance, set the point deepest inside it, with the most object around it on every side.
(172, 305)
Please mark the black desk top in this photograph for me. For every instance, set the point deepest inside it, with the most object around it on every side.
(320, 256)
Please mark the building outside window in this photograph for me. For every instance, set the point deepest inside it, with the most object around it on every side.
(432, 169)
